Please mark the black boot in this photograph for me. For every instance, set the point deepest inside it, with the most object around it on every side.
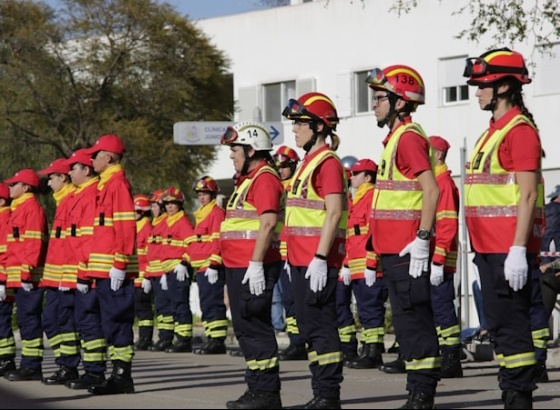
(24, 374)
(7, 366)
(182, 346)
(394, 348)
(451, 364)
(254, 399)
(212, 346)
(370, 358)
(293, 352)
(143, 344)
(120, 381)
(397, 366)
(86, 380)
(61, 376)
(161, 345)
(541, 372)
(514, 399)
(319, 402)
(419, 400)
(349, 357)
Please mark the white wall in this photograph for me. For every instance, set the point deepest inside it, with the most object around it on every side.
(328, 40)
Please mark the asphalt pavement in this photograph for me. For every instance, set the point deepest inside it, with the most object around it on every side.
(190, 381)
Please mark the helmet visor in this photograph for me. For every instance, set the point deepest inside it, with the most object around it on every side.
(377, 78)
(230, 136)
(201, 185)
(295, 109)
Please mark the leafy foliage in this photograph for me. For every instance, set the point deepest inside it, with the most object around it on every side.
(128, 67)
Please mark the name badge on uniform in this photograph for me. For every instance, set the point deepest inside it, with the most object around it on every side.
(296, 186)
(477, 160)
(381, 169)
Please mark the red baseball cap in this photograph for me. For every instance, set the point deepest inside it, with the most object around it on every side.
(26, 176)
(364, 164)
(4, 191)
(79, 157)
(58, 166)
(439, 143)
(110, 143)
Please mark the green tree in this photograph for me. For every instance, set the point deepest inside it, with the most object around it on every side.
(505, 21)
(128, 67)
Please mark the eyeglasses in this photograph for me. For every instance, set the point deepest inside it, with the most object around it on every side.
(378, 99)
(230, 136)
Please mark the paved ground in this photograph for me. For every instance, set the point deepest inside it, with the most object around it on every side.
(189, 381)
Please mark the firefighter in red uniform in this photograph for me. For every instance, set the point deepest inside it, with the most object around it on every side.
(249, 240)
(316, 217)
(203, 254)
(7, 341)
(403, 214)
(444, 264)
(25, 259)
(155, 276)
(366, 284)
(504, 212)
(178, 274)
(79, 236)
(142, 299)
(286, 160)
(113, 242)
(58, 310)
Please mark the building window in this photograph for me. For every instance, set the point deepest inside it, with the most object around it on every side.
(452, 83)
(363, 93)
(275, 97)
(546, 80)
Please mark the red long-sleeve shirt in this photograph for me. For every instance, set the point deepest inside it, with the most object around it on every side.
(154, 268)
(56, 251)
(79, 232)
(447, 221)
(143, 231)
(179, 229)
(4, 217)
(203, 249)
(114, 229)
(27, 241)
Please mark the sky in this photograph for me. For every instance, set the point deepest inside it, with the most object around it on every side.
(200, 9)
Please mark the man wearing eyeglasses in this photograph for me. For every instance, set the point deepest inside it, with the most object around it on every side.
(25, 259)
(113, 242)
(403, 215)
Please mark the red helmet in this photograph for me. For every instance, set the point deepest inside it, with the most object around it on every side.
(401, 80)
(495, 65)
(141, 203)
(312, 106)
(285, 155)
(206, 184)
(156, 195)
(173, 194)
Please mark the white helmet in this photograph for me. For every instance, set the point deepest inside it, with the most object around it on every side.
(248, 133)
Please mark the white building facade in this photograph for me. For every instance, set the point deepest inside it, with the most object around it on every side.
(330, 45)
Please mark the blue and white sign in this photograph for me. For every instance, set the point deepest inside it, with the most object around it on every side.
(209, 133)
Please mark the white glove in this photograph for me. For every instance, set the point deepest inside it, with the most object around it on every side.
(370, 275)
(212, 275)
(2, 293)
(163, 282)
(346, 275)
(436, 274)
(419, 250)
(117, 278)
(82, 288)
(516, 268)
(317, 274)
(62, 288)
(288, 270)
(182, 272)
(27, 286)
(255, 277)
(146, 285)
